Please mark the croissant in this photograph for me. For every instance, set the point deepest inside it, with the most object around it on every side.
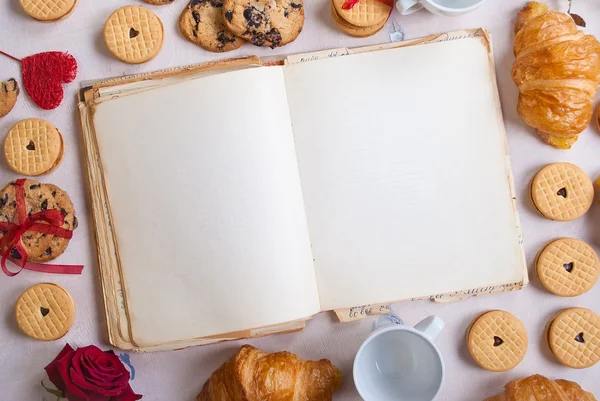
(557, 71)
(252, 375)
(539, 388)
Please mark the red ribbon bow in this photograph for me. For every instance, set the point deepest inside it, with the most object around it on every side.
(351, 3)
(53, 220)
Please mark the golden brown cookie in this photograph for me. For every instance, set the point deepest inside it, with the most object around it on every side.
(365, 13)
(562, 192)
(201, 22)
(568, 267)
(45, 312)
(48, 10)
(497, 341)
(134, 34)
(9, 92)
(264, 22)
(159, 2)
(33, 147)
(573, 336)
(38, 197)
(356, 31)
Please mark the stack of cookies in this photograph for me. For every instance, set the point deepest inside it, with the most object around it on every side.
(225, 25)
(360, 18)
(38, 197)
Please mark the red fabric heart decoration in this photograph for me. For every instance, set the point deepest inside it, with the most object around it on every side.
(43, 77)
(44, 74)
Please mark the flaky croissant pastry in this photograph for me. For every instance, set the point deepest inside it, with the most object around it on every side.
(557, 70)
(252, 375)
(539, 388)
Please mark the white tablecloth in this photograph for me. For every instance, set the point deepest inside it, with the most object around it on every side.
(179, 375)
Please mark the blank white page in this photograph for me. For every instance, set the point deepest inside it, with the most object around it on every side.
(404, 172)
(205, 194)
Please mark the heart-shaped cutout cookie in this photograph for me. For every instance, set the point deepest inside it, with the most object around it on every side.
(44, 75)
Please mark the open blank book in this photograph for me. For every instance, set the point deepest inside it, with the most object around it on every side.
(259, 196)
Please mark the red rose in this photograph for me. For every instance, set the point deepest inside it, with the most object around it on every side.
(90, 374)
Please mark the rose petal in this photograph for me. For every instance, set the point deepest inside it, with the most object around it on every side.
(52, 368)
(80, 381)
(70, 396)
(64, 366)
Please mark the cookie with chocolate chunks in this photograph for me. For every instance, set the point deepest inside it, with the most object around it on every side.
(270, 23)
(38, 197)
(202, 23)
(9, 92)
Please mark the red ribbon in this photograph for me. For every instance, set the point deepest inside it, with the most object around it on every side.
(351, 3)
(52, 222)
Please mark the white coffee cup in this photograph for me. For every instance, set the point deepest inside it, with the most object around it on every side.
(439, 7)
(401, 363)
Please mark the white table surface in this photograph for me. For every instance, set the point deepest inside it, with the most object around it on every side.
(179, 375)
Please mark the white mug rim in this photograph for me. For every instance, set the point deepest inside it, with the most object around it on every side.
(382, 330)
(454, 10)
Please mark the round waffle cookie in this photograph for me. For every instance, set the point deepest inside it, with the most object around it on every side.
(45, 312)
(562, 192)
(133, 34)
(159, 2)
(365, 13)
(568, 267)
(497, 341)
(356, 31)
(48, 10)
(202, 23)
(573, 336)
(38, 197)
(33, 147)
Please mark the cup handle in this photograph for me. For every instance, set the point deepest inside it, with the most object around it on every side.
(407, 7)
(430, 326)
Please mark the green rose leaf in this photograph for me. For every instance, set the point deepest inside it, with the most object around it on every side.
(57, 393)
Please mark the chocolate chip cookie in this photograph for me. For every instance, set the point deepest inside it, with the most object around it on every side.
(9, 92)
(265, 22)
(38, 197)
(202, 23)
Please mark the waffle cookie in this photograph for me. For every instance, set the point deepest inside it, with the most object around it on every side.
(568, 267)
(33, 147)
(48, 10)
(202, 23)
(45, 312)
(366, 13)
(270, 23)
(573, 336)
(134, 34)
(562, 192)
(497, 341)
(158, 2)
(39, 247)
(9, 92)
(352, 30)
